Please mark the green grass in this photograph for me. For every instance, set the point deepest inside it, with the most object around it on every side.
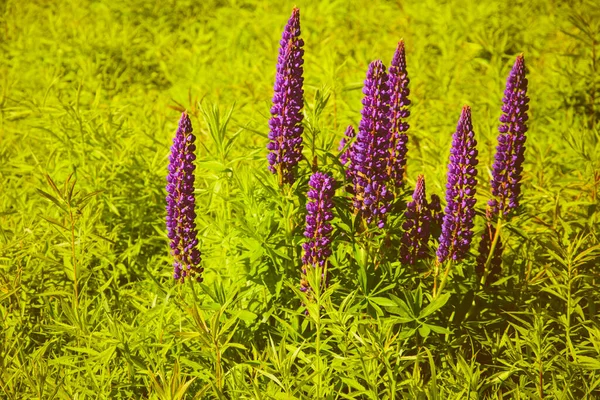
(90, 93)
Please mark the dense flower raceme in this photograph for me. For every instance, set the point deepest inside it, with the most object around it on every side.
(369, 152)
(317, 247)
(435, 207)
(286, 113)
(457, 227)
(416, 226)
(485, 245)
(398, 86)
(181, 215)
(508, 163)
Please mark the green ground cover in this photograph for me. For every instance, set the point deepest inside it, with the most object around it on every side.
(90, 94)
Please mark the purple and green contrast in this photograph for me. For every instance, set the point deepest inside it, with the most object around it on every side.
(370, 150)
(457, 226)
(398, 87)
(510, 152)
(317, 247)
(285, 125)
(416, 226)
(181, 214)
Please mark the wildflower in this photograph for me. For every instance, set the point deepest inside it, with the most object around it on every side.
(457, 227)
(508, 163)
(317, 247)
(345, 147)
(435, 207)
(286, 113)
(399, 102)
(369, 153)
(484, 250)
(181, 215)
(416, 226)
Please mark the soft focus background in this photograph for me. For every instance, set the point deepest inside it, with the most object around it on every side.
(95, 89)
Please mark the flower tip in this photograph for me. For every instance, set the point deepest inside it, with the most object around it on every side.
(185, 124)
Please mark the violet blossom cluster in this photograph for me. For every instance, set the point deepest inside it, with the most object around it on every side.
(416, 226)
(457, 227)
(369, 155)
(286, 113)
(181, 214)
(317, 247)
(508, 163)
(398, 87)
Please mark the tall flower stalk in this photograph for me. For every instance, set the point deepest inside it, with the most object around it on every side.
(398, 86)
(457, 226)
(370, 150)
(286, 113)
(507, 169)
(181, 214)
(508, 162)
(317, 247)
(416, 226)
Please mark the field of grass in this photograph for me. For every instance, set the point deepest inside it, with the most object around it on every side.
(90, 95)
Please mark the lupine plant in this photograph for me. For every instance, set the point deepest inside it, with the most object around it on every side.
(286, 113)
(369, 153)
(94, 93)
(317, 247)
(181, 203)
(398, 86)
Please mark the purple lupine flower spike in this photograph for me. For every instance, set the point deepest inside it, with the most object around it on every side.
(181, 214)
(416, 226)
(399, 102)
(508, 163)
(485, 245)
(435, 207)
(286, 113)
(317, 247)
(369, 156)
(457, 228)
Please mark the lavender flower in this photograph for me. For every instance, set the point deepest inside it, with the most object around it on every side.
(399, 102)
(457, 228)
(369, 153)
(416, 226)
(508, 164)
(286, 122)
(181, 215)
(317, 247)
(484, 250)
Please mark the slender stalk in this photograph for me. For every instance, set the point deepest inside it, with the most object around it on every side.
(492, 250)
(444, 279)
(75, 285)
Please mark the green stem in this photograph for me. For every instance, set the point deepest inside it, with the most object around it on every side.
(75, 285)
(444, 279)
(492, 251)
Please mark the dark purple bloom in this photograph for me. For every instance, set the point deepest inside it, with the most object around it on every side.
(457, 228)
(399, 102)
(416, 226)
(435, 207)
(181, 225)
(508, 163)
(317, 247)
(484, 250)
(286, 121)
(369, 155)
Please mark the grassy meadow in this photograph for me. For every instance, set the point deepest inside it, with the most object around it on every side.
(90, 95)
